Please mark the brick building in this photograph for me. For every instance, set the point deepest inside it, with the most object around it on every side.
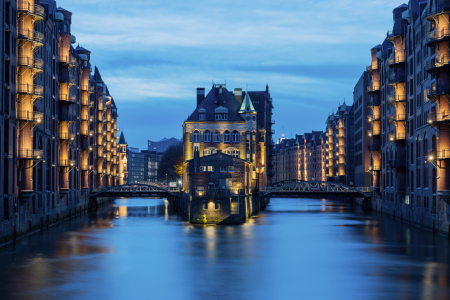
(57, 122)
(237, 124)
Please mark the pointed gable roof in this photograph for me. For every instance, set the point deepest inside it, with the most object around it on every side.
(97, 76)
(247, 105)
(122, 139)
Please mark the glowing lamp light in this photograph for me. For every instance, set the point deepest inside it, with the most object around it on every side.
(430, 157)
(429, 121)
(391, 138)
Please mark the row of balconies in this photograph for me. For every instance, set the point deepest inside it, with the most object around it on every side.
(30, 116)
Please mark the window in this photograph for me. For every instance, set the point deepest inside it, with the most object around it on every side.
(235, 153)
(216, 137)
(196, 136)
(226, 137)
(210, 169)
(228, 151)
(230, 168)
(235, 137)
(200, 190)
(207, 136)
(206, 152)
(221, 116)
(201, 116)
(202, 168)
(223, 168)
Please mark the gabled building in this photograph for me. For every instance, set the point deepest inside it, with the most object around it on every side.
(229, 122)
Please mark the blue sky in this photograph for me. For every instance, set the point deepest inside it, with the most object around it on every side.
(154, 54)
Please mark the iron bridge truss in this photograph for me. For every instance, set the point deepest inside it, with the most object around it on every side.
(315, 188)
(137, 189)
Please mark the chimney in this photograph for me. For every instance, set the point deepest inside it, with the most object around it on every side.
(196, 161)
(238, 95)
(200, 95)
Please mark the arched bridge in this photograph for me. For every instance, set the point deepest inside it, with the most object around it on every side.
(314, 188)
(137, 189)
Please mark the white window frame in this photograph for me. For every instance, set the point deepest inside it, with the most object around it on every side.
(223, 169)
(196, 137)
(202, 116)
(235, 136)
(226, 137)
(207, 136)
(216, 137)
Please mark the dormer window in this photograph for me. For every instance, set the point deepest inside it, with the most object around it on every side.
(202, 114)
(221, 116)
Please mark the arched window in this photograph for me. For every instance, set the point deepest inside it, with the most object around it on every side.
(196, 138)
(216, 136)
(226, 136)
(235, 136)
(214, 151)
(235, 153)
(228, 151)
(206, 152)
(207, 136)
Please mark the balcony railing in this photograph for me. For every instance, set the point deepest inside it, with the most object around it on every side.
(30, 154)
(373, 132)
(67, 118)
(392, 99)
(442, 154)
(67, 136)
(30, 116)
(438, 117)
(31, 63)
(30, 89)
(69, 60)
(397, 163)
(438, 63)
(437, 90)
(438, 7)
(375, 168)
(373, 86)
(396, 136)
(373, 118)
(372, 67)
(397, 118)
(91, 103)
(67, 163)
(30, 8)
(30, 35)
(71, 99)
(84, 88)
(91, 89)
(67, 80)
(84, 118)
(396, 78)
(397, 58)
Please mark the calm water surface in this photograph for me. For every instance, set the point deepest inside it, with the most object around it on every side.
(296, 249)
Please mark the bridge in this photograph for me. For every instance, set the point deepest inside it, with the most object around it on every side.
(137, 190)
(323, 189)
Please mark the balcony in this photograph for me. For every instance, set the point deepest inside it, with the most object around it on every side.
(30, 116)
(374, 168)
(68, 99)
(30, 154)
(373, 66)
(30, 89)
(438, 63)
(84, 118)
(91, 103)
(394, 99)
(435, 118)
(87, 167)
(391, 34)
(91, 90)
(35, 64)
(65, 136)
(67, 118)
(395, 78)
(84, 88)
(434, 37)
(434, 155)
(394, 118)
(398, 57)
(397, 163)
(375, 101)
(439, 90)
(397, 137)
(67, 163)
(436, 8)
(373, 87)
(373, 118)
(68, 60)
(66, 79)
(28, 7)
(341, 135)
(372, 132)
(31, 36)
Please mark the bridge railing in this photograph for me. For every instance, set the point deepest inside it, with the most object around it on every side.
(305, 186)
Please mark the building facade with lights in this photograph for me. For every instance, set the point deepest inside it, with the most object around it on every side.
(57, 122)
(408, 95)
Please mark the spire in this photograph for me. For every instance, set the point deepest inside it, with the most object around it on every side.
(247, 105)
(122, 138)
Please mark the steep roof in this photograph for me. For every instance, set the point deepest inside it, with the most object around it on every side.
(247, 105)
(214, 100)
(97, 76)
(122, 139)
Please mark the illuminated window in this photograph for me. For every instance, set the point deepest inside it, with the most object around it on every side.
(210, 168)
(228, 151)
(226, 137)
(207, 136)
(202, 168)
(230, 168)
(206, 152)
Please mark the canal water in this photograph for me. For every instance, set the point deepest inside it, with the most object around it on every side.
(296, 249)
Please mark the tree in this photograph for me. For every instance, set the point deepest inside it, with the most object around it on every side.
(171, 164)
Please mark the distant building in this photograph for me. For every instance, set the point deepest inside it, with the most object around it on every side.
(151, 164)
(163, 145)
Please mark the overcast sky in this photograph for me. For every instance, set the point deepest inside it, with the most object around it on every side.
(154, 54)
